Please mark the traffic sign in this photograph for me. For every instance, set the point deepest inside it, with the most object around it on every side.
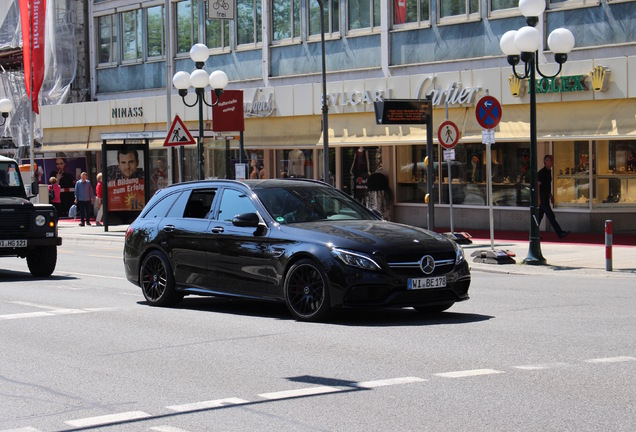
(448, 134)
(178, 134)
(488, 112)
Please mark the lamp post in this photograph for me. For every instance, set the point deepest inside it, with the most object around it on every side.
(325, 107)
(6, 106)
(524, 44)
(199, 79)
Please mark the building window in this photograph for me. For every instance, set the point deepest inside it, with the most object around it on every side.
(285, 19)
(363, 14)
(496, 5)
(248, 22)
(217, 33)
(132, 38)
(331, 17)
(410, 11)
(457, 8)
(187, 20)
(555, 4)
(108, 31)
(156, 31)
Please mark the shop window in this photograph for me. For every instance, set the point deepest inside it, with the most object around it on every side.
(295, 163)
(217, 33)
(249, 22)
(457, 9)
(285, 19)
(571, 173)
(156, 31)
(132, 35)
(468, 181)
(331, 17)
(158, 170)
(358, 163)
(363, 14)
(615, 173)
(411, 11)
(107, 39)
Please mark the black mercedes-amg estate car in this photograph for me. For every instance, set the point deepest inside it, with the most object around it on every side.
(301, 242)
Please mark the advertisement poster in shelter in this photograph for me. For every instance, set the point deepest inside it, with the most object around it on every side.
(125, 179)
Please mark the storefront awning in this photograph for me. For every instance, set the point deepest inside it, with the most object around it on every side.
(65, 139)
(95, 136)
(282, 132)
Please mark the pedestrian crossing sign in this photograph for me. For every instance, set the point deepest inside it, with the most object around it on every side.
(178, 134)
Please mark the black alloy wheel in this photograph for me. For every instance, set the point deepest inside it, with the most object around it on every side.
(157, 281)
(306, 291)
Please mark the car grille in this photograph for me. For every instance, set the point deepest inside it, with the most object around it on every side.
(15, 222)
(409, 266)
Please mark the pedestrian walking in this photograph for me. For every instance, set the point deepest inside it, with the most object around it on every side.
(84, 198)
(98, 201)
(546, 198)
(55, 192)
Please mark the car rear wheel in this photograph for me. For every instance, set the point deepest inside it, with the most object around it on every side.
(434, 309)
(307, 291)
(157, 281)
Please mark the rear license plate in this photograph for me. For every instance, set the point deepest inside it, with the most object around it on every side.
(12, 243)
(425, 283)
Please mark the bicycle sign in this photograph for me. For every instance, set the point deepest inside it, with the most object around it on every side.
(221, 9)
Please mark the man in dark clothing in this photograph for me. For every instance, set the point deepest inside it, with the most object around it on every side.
(544, 180)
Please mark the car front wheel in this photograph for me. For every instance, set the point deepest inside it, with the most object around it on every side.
(307, 291)
(157, 281)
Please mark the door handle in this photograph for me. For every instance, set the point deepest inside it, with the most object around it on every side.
(218, 230)
(168, 228)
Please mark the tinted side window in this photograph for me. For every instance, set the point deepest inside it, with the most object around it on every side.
(199, 204)
(160, 208)
(233, 203)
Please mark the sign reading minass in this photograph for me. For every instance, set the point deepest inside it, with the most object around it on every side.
(403, 111)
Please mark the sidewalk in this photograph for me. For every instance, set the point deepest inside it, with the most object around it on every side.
(576, 255)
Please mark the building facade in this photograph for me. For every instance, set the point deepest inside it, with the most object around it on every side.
(447, 50)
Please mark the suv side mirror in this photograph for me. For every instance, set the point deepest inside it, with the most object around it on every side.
(35, 188)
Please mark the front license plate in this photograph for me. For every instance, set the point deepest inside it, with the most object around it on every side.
(424, 283)
(12, 243)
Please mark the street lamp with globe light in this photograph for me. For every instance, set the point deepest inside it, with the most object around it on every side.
(199, 79)
(524, 44)
(6, 106)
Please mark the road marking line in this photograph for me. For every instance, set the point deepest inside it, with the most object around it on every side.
(469, 373)
(25, 315)
(389, 382)
(166, 429)
(51, 312)
(207, 404)
(541, 366)
(24, 429)
(611, 359)
(111, 418)
(300, 392)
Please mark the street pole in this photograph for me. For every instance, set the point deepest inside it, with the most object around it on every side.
(325, 108)
(200, 141)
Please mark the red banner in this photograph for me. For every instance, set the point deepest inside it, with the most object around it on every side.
(227, 115)
(32, 19)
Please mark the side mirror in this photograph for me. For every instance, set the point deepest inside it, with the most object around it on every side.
(249, 220)
(35, 188)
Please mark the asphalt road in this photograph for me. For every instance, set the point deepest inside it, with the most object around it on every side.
(82, 351)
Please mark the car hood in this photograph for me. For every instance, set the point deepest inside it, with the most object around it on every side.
(372, 236)
(14, 201)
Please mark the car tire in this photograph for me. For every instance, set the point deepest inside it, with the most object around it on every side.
(42, 261)
(307, 291)
(434, 309)
(157, 281)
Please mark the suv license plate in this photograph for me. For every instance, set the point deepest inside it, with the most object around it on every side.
(425, 283)
(13, 243)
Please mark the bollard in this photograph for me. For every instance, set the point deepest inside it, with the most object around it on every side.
(608, 245)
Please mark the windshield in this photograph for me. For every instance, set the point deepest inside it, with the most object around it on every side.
(297, 204)
(10, 181)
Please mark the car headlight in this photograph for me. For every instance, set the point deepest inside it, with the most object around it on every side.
(40, 220)
(355, 259)
(459, 254)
